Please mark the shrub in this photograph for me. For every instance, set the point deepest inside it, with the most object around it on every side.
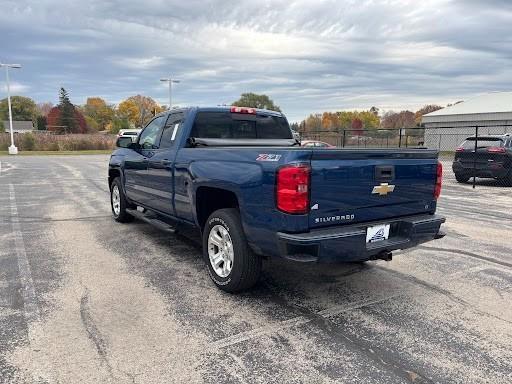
(45, 141)
(28, 142)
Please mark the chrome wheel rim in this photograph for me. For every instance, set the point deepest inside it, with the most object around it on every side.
(116, 200)
(220, 250)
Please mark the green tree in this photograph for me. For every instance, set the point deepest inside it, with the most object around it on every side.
(41, 123)
(370, 119)
(2, 128)
(254, 100)
(23, 108)
(67, 112)
(118, 124)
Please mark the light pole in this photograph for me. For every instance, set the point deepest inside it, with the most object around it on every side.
(12, 149)
(170, 81)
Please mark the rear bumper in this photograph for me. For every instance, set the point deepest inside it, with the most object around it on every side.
(490, 170)
(348, 243)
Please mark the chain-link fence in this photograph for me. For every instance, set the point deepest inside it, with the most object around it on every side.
(480, 155)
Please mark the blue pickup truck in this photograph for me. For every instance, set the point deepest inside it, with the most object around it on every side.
(240, 178)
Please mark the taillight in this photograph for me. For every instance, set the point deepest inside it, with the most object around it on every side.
(439, 181)
(249, 111)
(496, 150)
(292, 192)
(460, 149)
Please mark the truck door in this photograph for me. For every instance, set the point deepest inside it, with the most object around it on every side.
(161, 167)
(136, 162)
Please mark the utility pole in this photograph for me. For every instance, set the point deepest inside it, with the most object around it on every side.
(12, 149)
(170, 81)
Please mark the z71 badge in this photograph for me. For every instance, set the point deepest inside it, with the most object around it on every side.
(268, 157)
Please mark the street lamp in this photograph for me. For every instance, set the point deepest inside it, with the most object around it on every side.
(170, 81)
(12, 149)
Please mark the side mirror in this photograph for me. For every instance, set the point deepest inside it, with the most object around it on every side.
(124, 142)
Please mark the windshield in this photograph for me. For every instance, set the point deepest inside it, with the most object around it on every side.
(227, 125)
(483, 143)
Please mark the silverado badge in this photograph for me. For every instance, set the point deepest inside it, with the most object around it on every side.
(383, 189)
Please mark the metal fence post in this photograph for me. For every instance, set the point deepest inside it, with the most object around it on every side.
(400, 138)
(344, 137)
(474, 162)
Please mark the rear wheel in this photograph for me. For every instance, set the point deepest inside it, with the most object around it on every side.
(462, 178)
(507, 180)
(231, 264)
(118, 202)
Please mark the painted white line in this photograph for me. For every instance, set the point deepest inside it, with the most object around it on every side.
(27, 284)
(296, 321)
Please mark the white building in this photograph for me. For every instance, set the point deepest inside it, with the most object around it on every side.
(446, 128)
(19, 126)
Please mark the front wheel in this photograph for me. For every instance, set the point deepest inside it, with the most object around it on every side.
(231, 264)
(118, 202)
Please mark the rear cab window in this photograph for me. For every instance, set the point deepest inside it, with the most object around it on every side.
(483, 143)
(228, 125)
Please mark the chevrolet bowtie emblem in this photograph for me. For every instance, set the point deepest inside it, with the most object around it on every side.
(383, 189)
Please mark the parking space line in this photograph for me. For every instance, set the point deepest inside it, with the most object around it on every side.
(27, 284)
(296, 321)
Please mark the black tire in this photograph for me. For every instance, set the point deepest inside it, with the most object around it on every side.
(507, 180)
(246, 266)
(462, 178)
(121, 216)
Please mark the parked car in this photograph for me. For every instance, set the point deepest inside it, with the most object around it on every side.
(492, 158)
(131, 133)
(238, 177)
(316, 144)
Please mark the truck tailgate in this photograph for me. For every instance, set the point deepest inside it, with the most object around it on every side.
(343, 185)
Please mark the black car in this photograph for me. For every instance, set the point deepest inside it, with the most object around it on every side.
(491, 159)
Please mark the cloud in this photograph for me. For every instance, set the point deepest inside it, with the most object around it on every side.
(308, 56)
(15, 88)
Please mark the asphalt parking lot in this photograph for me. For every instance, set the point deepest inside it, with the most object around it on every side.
(86, 300)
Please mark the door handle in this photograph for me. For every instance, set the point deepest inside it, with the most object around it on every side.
(166, 162)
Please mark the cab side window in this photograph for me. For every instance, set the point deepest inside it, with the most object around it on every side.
(172, 127)
(149, 136)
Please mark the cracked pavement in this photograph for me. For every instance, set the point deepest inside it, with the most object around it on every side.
(84, 299)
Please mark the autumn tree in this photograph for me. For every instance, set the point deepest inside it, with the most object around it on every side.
(424, 110)
(368, 119)
(128, 110)
(393, 120)
(138, 109)
(65, 118)
(254, 100)
(330, 121)
(357, 127)
(313, 123)
(23, 108)
(98, 113)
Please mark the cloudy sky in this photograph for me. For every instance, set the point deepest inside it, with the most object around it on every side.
(309, 56)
